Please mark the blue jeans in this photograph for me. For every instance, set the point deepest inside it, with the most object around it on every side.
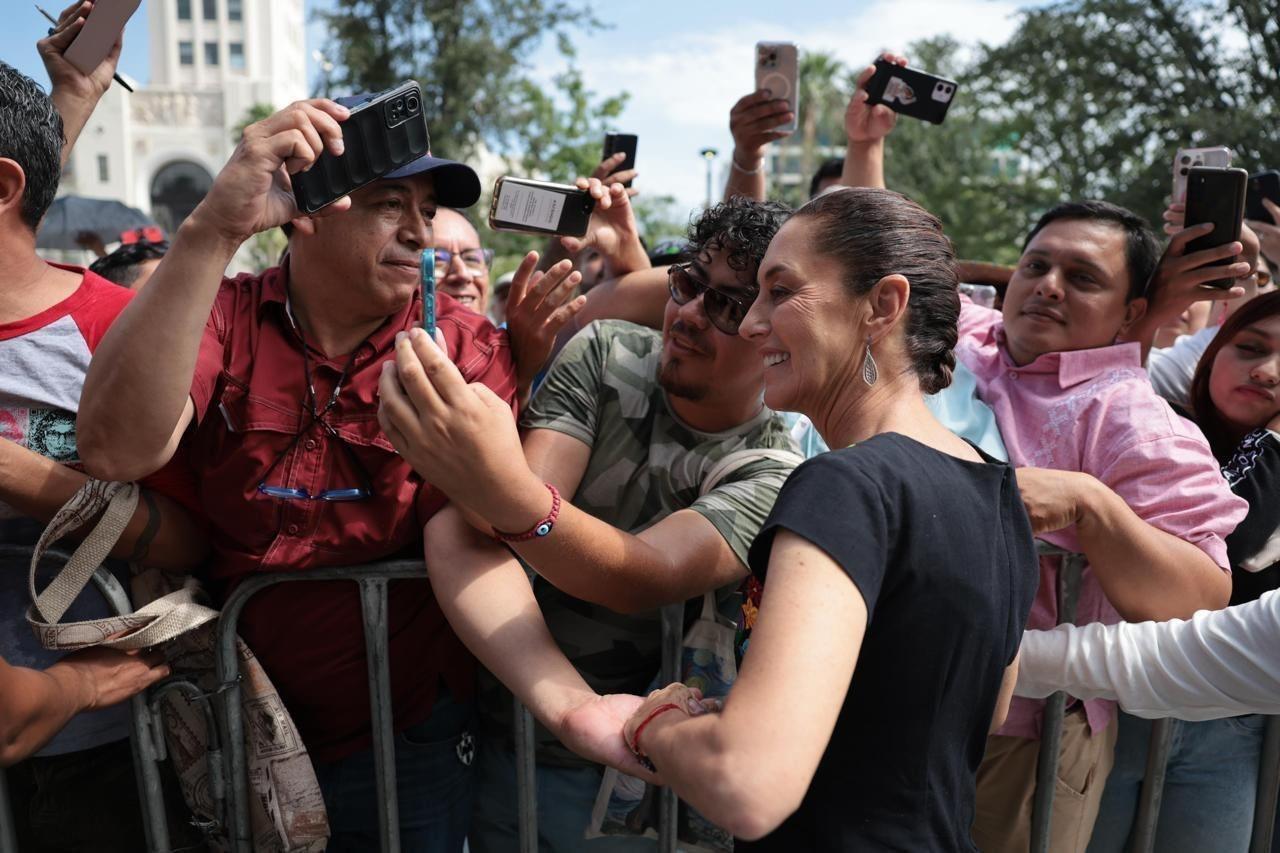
(435, 788)
(565, 798)
(1209, 791)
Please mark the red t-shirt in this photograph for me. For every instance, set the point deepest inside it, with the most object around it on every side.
(250, 396)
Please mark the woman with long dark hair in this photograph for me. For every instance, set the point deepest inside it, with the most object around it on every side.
(898, 571)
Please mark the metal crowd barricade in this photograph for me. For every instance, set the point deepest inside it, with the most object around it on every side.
(372, 581)
(146, 736)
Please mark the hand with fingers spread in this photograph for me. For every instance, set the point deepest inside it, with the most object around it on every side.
(252, 192)
(1268, 232)
(613, 231)
(754, 122)
(460, 437)
(538, 307)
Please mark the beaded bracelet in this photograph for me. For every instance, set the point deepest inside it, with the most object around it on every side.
(539, 530)
(635, 739)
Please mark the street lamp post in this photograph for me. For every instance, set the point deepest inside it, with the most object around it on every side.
(709, 154)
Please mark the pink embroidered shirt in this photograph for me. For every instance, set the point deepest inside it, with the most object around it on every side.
(1095, 411)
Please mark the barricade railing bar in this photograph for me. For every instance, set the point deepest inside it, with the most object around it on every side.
(146, 738)
(229, 780)
(372, 581)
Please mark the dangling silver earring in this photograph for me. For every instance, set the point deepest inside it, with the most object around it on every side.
(869, 372)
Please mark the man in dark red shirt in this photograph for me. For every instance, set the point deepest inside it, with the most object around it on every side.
(271, 381)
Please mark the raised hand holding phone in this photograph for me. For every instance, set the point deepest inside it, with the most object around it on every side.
(911, 92)
(1216, 196)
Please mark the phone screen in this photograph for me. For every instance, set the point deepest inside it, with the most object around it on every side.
(531, 207)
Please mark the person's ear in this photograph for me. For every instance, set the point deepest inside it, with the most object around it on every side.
(13, 187)
(1134, 311)
(886, 303)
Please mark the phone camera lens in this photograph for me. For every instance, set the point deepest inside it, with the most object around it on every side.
(1183, 170)
(1186, 159)
(411, 104)
(773, 57)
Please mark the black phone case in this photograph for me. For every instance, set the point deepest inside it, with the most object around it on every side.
(915, 93)
(371, 150)
(1262, 185)
(574, 218)
(1216, 195)
(615, 142)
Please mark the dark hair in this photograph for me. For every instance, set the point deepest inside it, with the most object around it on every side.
(1222, 439)
(122, 265)
(1142, 248)
(832, 168)
(874, 233)
(739, 226)
(31, 136)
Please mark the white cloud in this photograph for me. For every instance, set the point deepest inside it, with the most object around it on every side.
(683, 85)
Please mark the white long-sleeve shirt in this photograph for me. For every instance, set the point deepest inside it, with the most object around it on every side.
(1218, 663)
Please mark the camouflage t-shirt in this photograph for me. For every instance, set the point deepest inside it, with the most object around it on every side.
(645, 464)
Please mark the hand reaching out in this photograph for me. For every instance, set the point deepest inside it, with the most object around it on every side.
(538, 307)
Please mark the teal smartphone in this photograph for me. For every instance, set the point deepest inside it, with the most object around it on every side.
(428, 268)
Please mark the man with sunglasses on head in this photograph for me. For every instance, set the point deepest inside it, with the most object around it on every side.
(665, 462)
(271, 382)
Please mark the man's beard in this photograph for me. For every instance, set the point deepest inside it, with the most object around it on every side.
(670, 383)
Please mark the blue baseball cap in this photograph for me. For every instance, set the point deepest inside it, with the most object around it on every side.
(456, 184)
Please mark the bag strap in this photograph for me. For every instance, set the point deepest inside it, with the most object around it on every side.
(742, 458)
(722, 469)
(160, 621)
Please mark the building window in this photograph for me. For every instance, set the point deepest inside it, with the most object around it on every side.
(211, 10)
(184, 10)
(104, 174)
(235, 10)
(211, 53)
(186, 53)
(236, 57)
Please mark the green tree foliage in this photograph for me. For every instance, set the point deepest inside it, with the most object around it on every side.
(824, 93)
(1099, 94)
(469, 56)
(965, 170)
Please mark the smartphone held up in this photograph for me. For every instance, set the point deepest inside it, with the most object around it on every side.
(384, 132)
(778, 73)
(1216, 195)
(540, 207)
(909, 92)
(621, 143)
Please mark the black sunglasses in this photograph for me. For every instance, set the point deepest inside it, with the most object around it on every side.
(724, 312)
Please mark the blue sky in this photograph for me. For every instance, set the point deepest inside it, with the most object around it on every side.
(684, 63)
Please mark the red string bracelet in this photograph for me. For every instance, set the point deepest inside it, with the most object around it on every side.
(635, 739)
(542, 528)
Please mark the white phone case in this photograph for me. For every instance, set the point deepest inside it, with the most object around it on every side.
(1218, 156)
(101, 29)
(778, 70)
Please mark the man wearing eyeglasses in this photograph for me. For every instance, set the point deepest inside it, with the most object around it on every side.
(271, 382)
(661, 460)
(462, 267)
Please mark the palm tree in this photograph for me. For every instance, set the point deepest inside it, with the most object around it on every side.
(822, 102)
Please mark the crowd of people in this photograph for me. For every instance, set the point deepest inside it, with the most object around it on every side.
(792, 422)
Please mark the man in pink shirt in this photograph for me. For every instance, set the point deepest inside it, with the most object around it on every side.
(1105, 468)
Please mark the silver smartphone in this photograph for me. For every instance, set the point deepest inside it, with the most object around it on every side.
(1217, 157)
(778, 72)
